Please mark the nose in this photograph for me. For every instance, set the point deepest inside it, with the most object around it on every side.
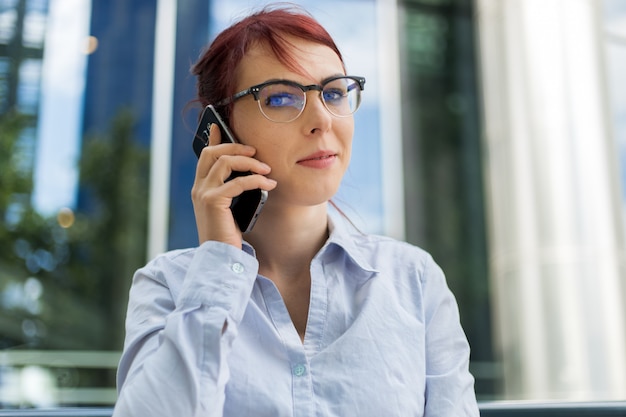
(315, 116)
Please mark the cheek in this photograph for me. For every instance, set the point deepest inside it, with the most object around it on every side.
(246, 121)
(272, 152)
(346, 134)
(262, 135)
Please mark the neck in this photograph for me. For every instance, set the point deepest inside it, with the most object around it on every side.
(287, 239)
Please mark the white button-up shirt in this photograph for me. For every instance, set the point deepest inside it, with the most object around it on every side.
(208, 336)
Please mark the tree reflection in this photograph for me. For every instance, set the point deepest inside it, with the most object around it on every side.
(64, 279)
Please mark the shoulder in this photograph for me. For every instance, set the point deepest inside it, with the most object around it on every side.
(386, 244)
(376, 249)
(390, 252)
(387, 255)
(404, 273)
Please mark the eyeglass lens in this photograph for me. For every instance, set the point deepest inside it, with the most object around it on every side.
(283, 102)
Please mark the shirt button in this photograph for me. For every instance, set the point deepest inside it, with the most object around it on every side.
(237, 268)
(299, 370)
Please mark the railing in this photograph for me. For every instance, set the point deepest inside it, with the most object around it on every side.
(62, 365)
(487, 409)
(52, 378)
(59, 412)
(553, 409)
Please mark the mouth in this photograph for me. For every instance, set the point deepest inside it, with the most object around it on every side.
(321, 159)
(319, 156)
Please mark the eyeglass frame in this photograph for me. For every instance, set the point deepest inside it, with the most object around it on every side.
(256, 89)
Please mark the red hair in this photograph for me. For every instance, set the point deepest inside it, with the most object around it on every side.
(271, 25)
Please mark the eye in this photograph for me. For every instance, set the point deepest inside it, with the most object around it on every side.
(283, 99)
(333, 94)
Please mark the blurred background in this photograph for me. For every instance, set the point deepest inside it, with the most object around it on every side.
(492, 134)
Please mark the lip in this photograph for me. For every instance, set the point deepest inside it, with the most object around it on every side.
(319, 159)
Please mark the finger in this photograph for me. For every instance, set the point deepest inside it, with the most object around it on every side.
(215, 135)
(227, 164)
(211, 154)
(221, 197)
(214, 203)
(238, 185)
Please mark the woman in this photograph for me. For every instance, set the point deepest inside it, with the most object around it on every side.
(306, 316)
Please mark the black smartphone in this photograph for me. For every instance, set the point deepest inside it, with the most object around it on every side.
(247, 206)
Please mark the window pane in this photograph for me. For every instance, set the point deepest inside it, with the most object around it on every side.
(554, 206)
(615, 35)
(443, 178)
(73, 199)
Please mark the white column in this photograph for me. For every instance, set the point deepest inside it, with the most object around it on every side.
(162, 108)
(390, 117)
(554, 201)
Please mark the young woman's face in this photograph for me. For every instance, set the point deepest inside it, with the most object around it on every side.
(310, 154)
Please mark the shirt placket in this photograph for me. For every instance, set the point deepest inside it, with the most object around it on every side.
(298, 362)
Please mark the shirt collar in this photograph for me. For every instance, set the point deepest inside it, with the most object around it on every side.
(345, 236)
(247, 248)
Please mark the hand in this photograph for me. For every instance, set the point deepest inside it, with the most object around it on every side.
(212, 196)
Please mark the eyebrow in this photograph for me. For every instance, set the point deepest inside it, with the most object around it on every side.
(339, 74)
(271, 80)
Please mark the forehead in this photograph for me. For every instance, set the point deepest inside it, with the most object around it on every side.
(315, 62)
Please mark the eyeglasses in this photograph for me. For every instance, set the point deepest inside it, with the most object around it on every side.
(282, 101)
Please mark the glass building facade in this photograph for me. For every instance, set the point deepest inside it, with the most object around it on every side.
(451, 150)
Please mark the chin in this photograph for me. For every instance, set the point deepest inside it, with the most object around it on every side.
(304, 196)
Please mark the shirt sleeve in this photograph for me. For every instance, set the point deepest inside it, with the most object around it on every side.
(449, 384)
(175, 354)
